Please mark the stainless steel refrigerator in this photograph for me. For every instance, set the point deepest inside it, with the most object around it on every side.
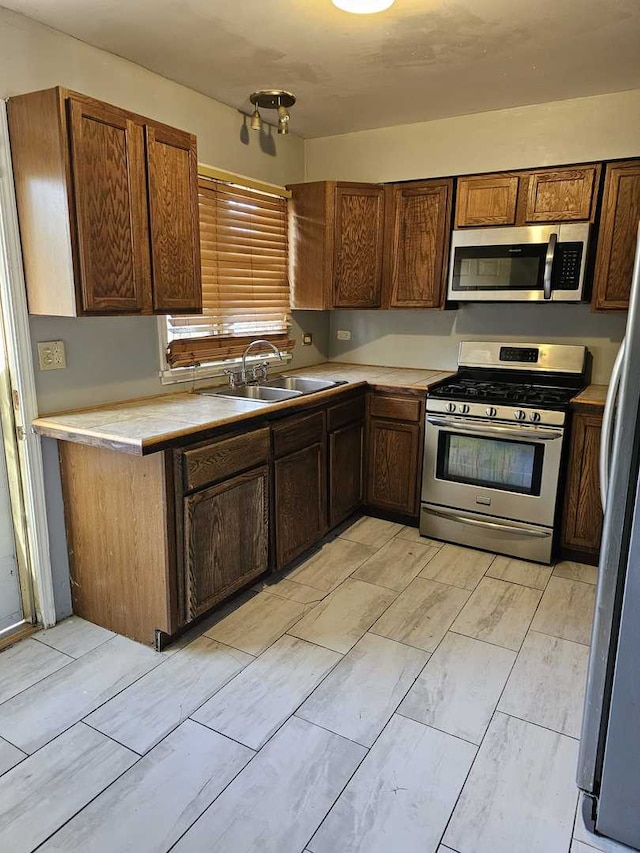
(609, 763)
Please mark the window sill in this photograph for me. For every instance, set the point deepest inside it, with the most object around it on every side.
(176, 375)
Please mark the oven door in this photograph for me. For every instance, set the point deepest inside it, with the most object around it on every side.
(503, 470)
(521, 264)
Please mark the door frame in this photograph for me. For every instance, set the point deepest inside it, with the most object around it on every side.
(22, 444)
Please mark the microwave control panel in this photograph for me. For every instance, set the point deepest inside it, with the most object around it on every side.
(566, 266)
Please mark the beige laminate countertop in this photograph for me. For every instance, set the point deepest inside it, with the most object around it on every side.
(593, 396)
(154, 423)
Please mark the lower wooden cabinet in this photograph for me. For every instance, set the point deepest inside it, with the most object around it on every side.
(300, 503)
(345, 471)
(394, 454)
(226, 538)
(582, 520)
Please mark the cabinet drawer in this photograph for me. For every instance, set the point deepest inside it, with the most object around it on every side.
(224, 458)
(396, 408)
(297, 432)
(345, 413)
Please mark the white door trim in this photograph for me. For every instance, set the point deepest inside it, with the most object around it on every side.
(15, 319)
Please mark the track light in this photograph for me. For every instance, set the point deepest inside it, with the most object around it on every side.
(272, 99)
(256, 121)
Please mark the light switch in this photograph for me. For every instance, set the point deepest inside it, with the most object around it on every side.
(51, 355)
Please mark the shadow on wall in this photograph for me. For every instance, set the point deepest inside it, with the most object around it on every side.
(265, 136)
(431, 338)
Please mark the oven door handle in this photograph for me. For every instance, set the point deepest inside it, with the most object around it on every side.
(538, 434)
(491, 525)
(548, 264)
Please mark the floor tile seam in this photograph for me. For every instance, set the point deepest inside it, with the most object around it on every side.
(224, 645)
(138, 758)
(482, 739)
(438, 729)
(39, 681)
(73, 657)
(401, 700)
(558, 637)
(82, 719)
(173, 727)
(541, 590)
(273, 642)
(488, 642)
(257, 752)
(537, 725)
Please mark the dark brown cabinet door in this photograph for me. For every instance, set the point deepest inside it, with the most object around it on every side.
(345, 471)
(359, 230)
(420, 220)
(582, 526)
(561, 195)
(617, 236)
(300, 501)
(486, 200)
(173, 216)
(226, 538)
(107, 161)
(393, 465)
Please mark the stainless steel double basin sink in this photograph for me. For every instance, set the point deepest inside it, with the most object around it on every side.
(275, 390)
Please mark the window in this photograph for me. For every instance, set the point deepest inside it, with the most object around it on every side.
(245, 286)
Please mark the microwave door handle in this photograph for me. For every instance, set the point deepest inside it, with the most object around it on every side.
(548, 264)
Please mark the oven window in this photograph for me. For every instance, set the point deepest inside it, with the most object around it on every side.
(497, 463)
(516, 267)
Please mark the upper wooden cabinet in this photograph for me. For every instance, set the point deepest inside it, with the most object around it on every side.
(336, 244)
(108, 208)
(565, 194)
(561, 195)
(617, 237)
(486, 200)
(419, 230)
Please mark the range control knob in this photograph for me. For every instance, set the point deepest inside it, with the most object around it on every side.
(491, 412)
(535, 417)
(519, 415)
(451, 407)
(464, 408)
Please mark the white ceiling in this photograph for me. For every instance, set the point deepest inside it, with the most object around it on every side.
(422, 59)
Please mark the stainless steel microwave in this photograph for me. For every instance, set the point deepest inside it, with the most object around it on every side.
(534, 263)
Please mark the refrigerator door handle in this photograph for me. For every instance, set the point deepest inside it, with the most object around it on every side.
(607, 424)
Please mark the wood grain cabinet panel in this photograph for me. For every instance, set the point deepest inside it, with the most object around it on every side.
(107, 206)
(617, 236)
(300, 501)
(172, 169)
(107, 151)
(359, 224)
(392, 466)
(561, 195)
(345, 471)
(486, 200)
(420, 229)
(582, 523)
(226, 538)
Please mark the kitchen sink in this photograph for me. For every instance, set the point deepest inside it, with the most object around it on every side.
(300, 383)
(259, 393)
(274, 390)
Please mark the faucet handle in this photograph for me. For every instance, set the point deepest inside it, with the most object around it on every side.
(235, 378)
(261, 371)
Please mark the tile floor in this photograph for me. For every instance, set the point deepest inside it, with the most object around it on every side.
(392, 693)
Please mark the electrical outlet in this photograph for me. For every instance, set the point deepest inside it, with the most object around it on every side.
(343, 335)
(51, 355)
(307, 339)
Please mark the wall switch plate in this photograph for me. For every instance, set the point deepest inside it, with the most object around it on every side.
(343, 335)
(307, 339)
(51, 355)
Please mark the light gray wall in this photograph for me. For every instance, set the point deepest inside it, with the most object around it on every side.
(117, 358)
(430, 338)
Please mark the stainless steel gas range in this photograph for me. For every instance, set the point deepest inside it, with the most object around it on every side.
(494, 439)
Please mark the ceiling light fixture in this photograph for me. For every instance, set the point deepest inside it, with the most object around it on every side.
(363, 7)
(272, 99)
